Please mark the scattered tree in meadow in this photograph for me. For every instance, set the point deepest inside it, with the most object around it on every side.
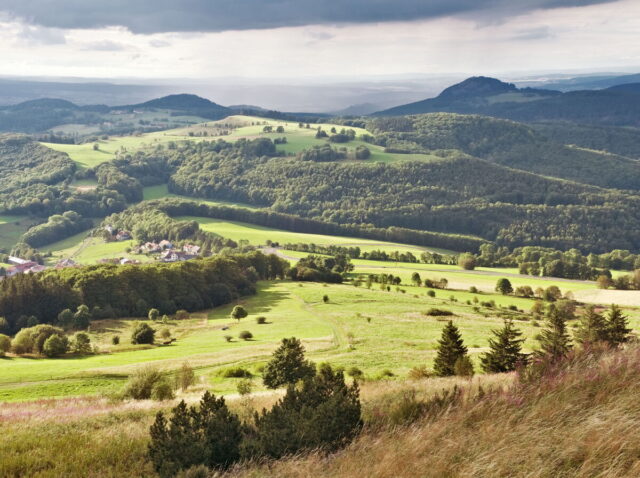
(416, 279)
(115, 340)
(504, 286)
(245, 335)
(325, 298)
(287, 365)
(450, 348)
(617, 326)
(467, 261)
(505, 350)
(81, 318)
(143, 334)
(153, 314)
(592, 327)
(554, 339)
(142, 384)
(239, 312)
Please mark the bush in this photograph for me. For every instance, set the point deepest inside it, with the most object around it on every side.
(228, 338)
(143, 334)
(162, 390)
(185, 377)
(463, 367)
(355, 372)
(32, 339)
(153, 314)
(431, 293)
(473, 289)
(81, 343)
(165, 333)
(362, 152)
(182, 315)
(325, 298)
(435, 312)
(146, 383)
(420, 372)
(261, 320)
(244, 386)
(467, 261)
(55, 346)
(245, 335)
(236, 372)
(5, 344)
(115, 340)
(5, 327)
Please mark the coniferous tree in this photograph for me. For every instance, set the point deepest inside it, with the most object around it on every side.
(450, 348)
(617, 326)
(554, 339)
(593, 327)
(505, 350)
(287, 365)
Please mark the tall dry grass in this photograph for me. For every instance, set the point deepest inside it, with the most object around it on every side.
(578, 420)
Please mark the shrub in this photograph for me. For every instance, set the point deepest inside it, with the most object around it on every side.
(244, 387)
(431, 293)
(261, 320)
(5, 327)
(162, 390)
(473, 289)
(55, 346)
(386, 373)
(115, 340)
(228, 338)
(182, 315)
(143, 334)
(236, 372)
(325, 298)
(5, 344)
(153, 314)
(185, 377)
(463, 367)
(81, 343)
(419, 372)
(355, 372)
(438, 312)
(32, 339)
(143, 382)
(245, 335)
(165, 333)
(467, 261)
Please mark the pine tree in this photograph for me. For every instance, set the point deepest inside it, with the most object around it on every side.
(554, 339)
(287, 365)
(450, 349)
(617, 330)
(505, 350)
(593, 327)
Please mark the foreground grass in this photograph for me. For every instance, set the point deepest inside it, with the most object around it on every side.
(580, 421)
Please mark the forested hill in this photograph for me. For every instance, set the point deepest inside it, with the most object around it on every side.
(184, 103)
(512, 144)
(491, 97)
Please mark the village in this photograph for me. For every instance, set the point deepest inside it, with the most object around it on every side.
(162, 251)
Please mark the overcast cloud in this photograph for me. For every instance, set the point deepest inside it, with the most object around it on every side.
(304, 41)
(158, 16)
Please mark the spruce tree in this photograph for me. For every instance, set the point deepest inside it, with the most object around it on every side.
(287, 365)
(554, 339)
(593, 327)
(505, 350)
(450, 349)
(617, 326)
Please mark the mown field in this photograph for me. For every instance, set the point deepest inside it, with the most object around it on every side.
(383, 333)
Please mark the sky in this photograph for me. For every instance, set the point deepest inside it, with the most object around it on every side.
(304, 40)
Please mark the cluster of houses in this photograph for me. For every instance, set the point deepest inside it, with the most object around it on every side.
(168, 252)
(26, 266)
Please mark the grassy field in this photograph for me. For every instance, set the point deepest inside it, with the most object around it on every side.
(11, 228)
(374, 330)
(259, 235)
(297, 140)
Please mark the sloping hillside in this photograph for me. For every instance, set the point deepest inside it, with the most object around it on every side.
(491, 97)
(511, 144)
(578, 420)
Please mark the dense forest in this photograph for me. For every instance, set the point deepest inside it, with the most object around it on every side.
(125, 291)
(515, 145)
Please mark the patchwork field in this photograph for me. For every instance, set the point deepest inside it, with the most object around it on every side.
(239, 127)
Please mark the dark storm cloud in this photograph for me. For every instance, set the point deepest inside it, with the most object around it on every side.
(155, 16)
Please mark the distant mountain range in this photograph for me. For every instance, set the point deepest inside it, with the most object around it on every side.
(619, 105)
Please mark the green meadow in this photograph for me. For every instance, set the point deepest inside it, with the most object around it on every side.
(11, 228)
